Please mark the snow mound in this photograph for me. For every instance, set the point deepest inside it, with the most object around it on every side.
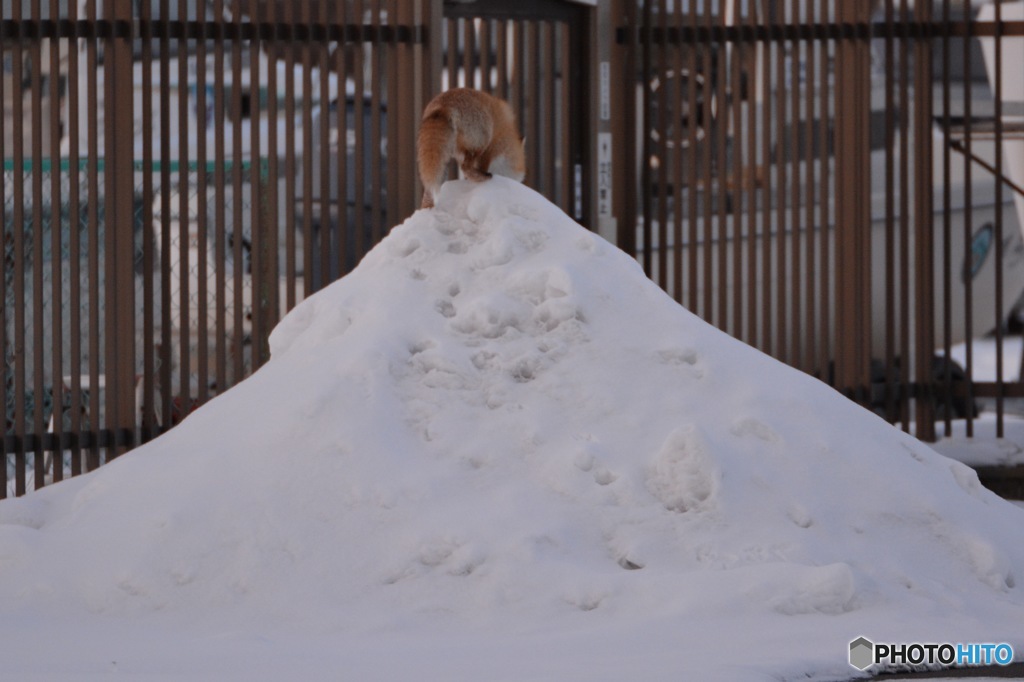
(497, 419)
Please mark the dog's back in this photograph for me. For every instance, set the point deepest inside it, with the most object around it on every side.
(476, 129)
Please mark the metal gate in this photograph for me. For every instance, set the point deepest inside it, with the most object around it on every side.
(530, 54)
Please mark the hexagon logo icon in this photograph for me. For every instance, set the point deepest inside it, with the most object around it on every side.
(862, 653)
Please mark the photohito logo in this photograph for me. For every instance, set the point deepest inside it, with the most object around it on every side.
(864, 653)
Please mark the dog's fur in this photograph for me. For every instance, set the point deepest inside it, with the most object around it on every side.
(476, 129)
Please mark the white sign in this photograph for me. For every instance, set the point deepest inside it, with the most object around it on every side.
(606, 92)
(604, 175)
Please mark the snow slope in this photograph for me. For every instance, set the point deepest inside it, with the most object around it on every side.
(498, 450)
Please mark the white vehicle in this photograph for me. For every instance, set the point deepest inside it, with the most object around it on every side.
(1012, 91)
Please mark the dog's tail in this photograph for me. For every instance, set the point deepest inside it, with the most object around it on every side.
(435, 147)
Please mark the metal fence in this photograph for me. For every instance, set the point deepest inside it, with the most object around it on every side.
(835, 183)
(178, 174)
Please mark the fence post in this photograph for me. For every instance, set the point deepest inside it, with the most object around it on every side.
(586, 44)
(924, 286)
(622, 187)
(431, 18)
(414, 77)
(404, 106)
(119, 359)
(853, 201)
(606, 112)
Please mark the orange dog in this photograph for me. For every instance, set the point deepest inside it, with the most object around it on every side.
(477, 130)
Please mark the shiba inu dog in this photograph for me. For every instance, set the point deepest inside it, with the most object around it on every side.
(477, 130)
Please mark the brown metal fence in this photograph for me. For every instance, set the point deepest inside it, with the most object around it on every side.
(178, 174)
(833, 182)
(836, 183)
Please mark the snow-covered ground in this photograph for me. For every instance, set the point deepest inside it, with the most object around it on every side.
(497, 451)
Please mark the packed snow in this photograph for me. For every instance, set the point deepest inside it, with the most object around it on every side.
(497, 451)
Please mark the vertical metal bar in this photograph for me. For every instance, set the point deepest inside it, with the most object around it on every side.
(56, 227)
(376, 47)
(998, 254)
(924, 286)
(853, 207)
(109, 243)
(547, 59)
(184, 225)
(260, 287)
(148, 285)
(290, 199)
(768, 316)
(812, 355)
(323, 155)
(403, 111)
(167, 323)
(782, 351)
(863, 196)
(707, 169)
(395, 52)
(74, 247)
(123, 388)
(271, 225)
(363, 112)
(486, 82)
(92, 108)
(720, 130)
(646, 121)
(846, 225)
(968, 222)
(518, 87)
(677, 168)
(735, 188)
(121, 234)
(658, 159)
(469, 52)
(693, 180)
(581, 34)
(452, 63)
(237, 304)
(455, 79)
(795, 221)
(220, 205)
(825, 216)
(4, 269)
(564, 128)
(893, 385)
(341, 156)
(202, 260)
(19, 256)
(536, 126)
(428, 74)
(358, 125)
(752, 50)
(624, 119)
(38, 310)
(905, 371)
(862, 119)
(947, 224)
(501, 58)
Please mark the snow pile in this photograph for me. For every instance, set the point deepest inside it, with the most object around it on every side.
(496, 426)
